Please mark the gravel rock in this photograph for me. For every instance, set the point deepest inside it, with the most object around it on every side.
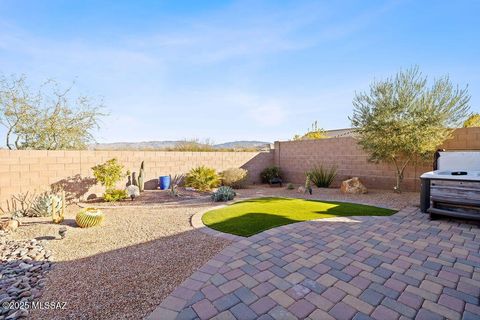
(19, 274)
(22, 313)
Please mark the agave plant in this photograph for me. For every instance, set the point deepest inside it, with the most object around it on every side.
(223, 193)
(46, 204)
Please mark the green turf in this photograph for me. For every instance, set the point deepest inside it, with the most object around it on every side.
(248, 217)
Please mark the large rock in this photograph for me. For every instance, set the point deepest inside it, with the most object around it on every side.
(9, 225)
(353, 186)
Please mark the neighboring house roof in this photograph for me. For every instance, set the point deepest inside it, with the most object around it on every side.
(336, 133)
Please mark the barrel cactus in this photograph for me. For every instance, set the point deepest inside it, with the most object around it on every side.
(89, 217)
(46, 204)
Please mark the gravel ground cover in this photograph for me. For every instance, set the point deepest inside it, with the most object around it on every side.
(124, 268)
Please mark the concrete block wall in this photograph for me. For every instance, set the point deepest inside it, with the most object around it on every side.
(296, 157)
(38, 170)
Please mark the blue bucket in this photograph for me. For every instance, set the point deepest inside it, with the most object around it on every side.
(164, 182)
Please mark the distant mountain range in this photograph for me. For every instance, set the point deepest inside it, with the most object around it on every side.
(162, 145)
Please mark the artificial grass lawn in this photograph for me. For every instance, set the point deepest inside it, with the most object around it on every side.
(248, 217)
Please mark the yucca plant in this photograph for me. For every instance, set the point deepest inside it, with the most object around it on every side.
(202, 178)
(321, 176)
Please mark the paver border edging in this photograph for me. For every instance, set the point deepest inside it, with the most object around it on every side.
(197, 223)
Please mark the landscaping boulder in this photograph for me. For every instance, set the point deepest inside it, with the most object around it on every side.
(9, 225)
(353, 186)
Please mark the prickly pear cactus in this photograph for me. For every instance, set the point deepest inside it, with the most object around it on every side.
(89, 217)
(44, 204)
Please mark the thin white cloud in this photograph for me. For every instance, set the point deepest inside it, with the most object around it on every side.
(269, 115)
(138, 73)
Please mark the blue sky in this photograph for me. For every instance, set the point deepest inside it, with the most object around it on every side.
(234, 70)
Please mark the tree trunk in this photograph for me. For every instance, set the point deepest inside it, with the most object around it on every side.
(398, 188)
(399, 174)
(7, 142)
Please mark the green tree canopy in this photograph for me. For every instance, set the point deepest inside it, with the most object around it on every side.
(472, 121)
(402, 118)
(48, 118)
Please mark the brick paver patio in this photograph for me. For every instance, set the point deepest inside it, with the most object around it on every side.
(399, 267)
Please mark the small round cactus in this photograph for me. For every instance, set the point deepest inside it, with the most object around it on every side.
(133, 191)
(89, 217)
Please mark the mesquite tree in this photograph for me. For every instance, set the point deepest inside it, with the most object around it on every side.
(49, 118)
(403, 118)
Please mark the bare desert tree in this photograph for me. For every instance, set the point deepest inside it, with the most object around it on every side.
(49, 118)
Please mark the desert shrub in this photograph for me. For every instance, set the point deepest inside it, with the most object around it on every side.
(108, 173)
(202, 178)
(224, 193)
(290, 186)
(321, 176)
(19, 205)
(112, 195)
(269, 173)
(194, 145)
(235, 178)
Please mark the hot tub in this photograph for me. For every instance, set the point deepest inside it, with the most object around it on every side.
(453, 187)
